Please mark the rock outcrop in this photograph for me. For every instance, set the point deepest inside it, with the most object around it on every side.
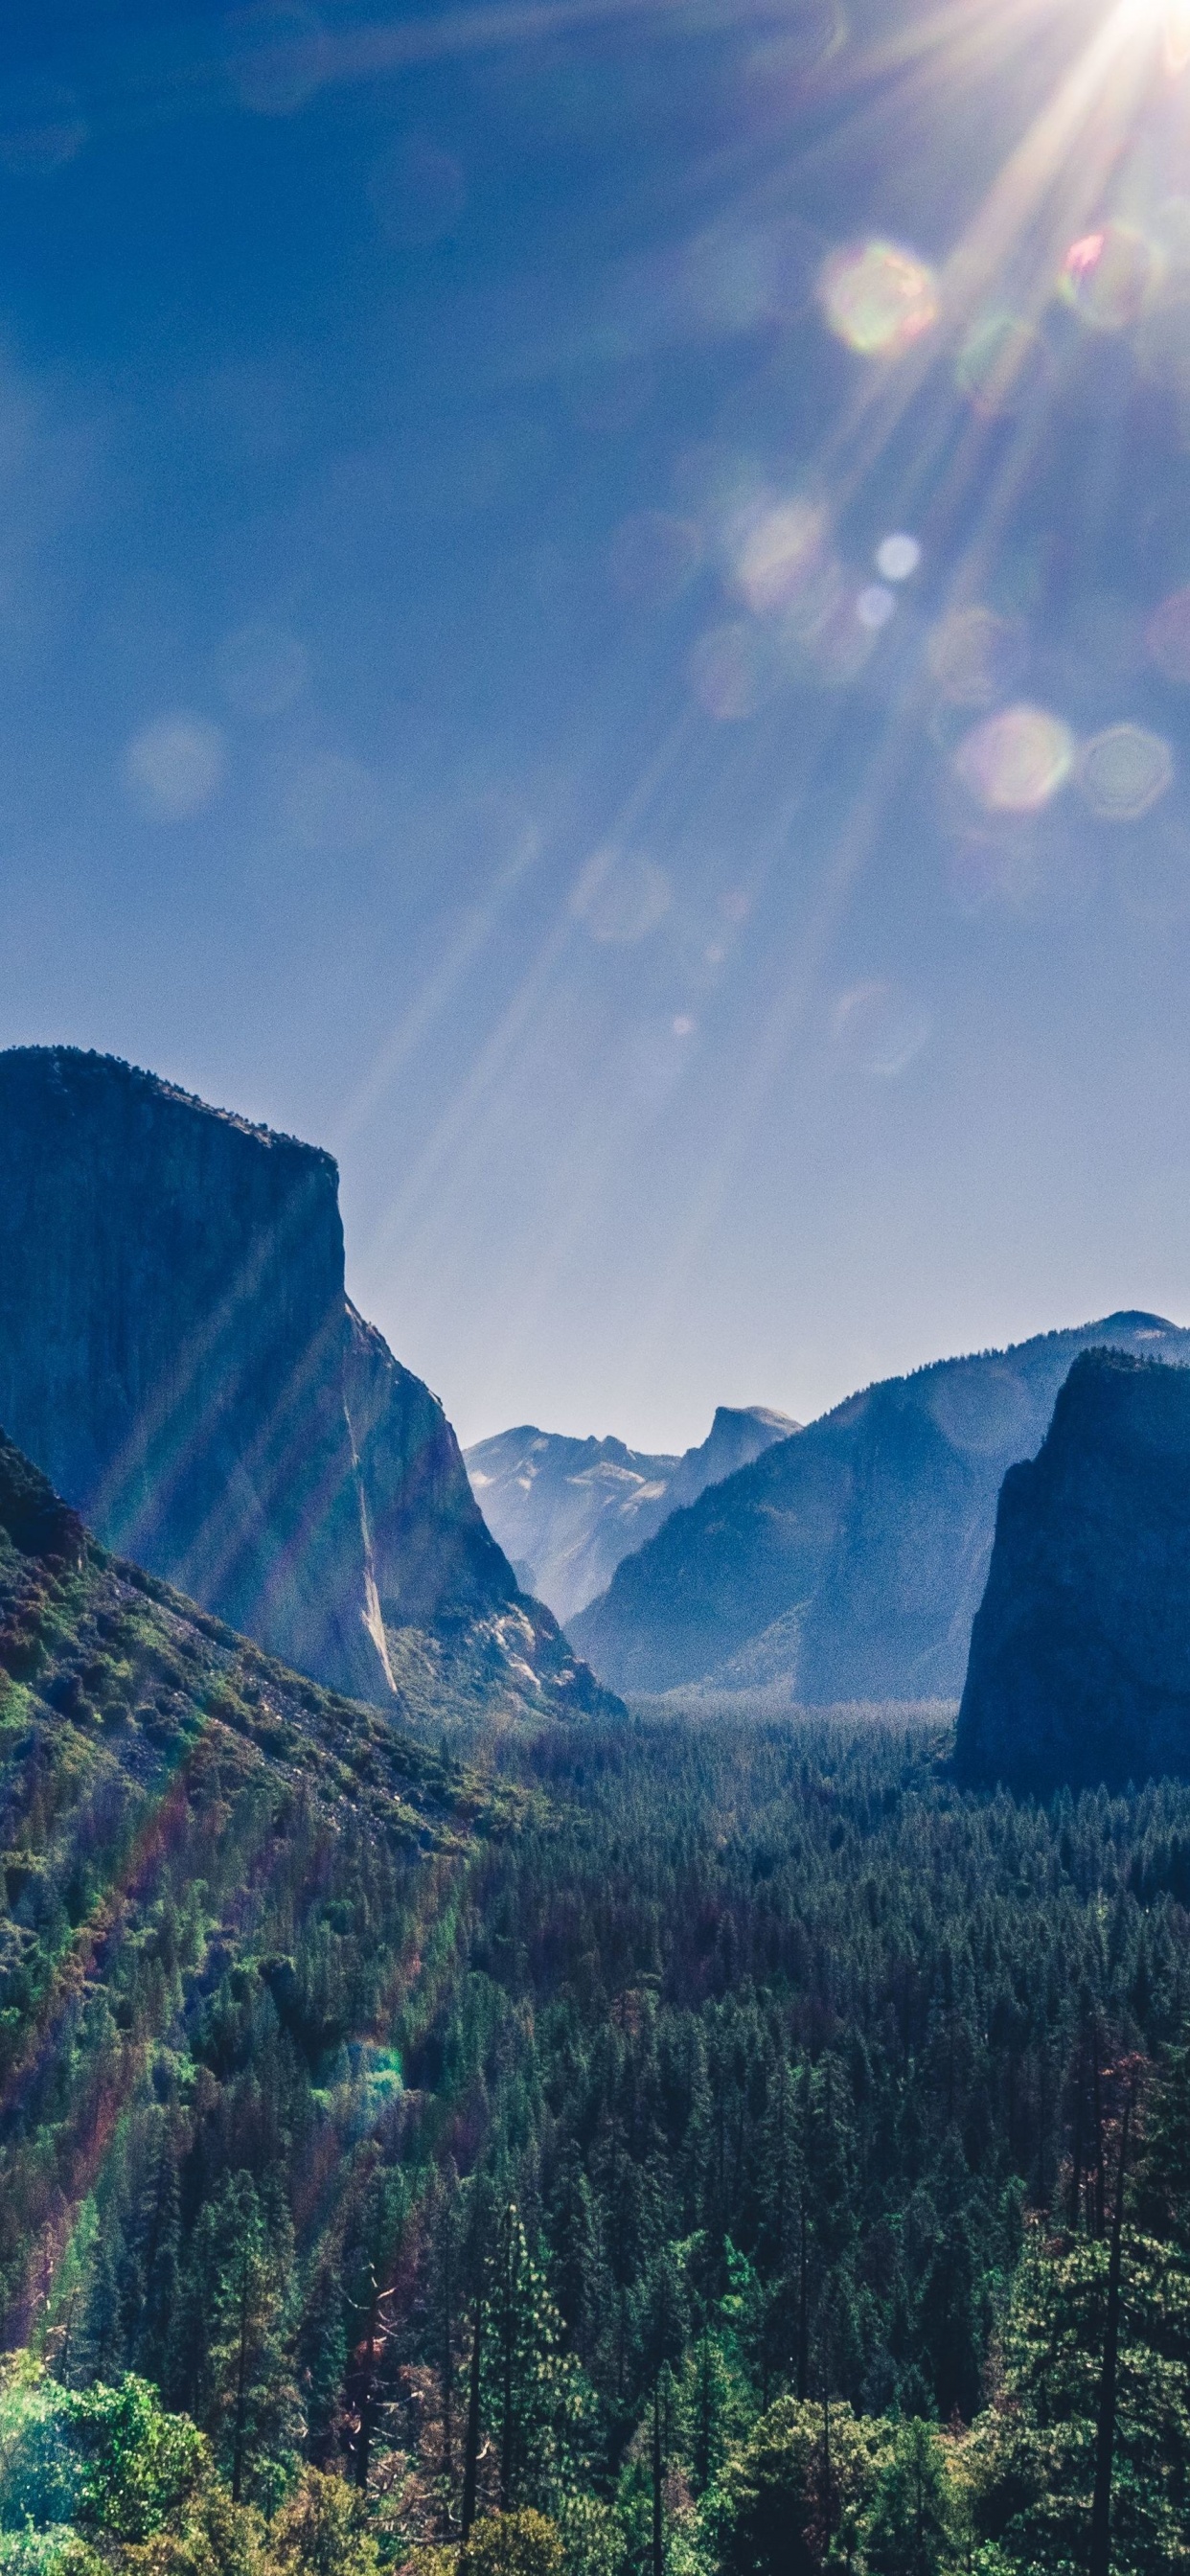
(1080, 1653)
(848, 1564)
(567, 1511)
(179, 1356)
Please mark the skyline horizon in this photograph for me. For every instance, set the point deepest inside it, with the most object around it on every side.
(693, 1427)
(595, 611)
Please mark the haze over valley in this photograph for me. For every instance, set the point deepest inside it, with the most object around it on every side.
(595, 1288)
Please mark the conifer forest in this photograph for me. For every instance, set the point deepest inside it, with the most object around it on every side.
(684, 2145)
(595, 1288)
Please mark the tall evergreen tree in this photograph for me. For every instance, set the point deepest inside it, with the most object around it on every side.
(530, 2396)
(248, 2395)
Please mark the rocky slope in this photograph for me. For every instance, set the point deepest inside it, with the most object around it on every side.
(107, 1672)
(849, 1563)
(566, 1511)
(194, 1842)
(178, 1354)
(1080, 1653)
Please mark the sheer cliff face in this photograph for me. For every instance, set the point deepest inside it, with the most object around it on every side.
(178, 1355)
(1080, 1654)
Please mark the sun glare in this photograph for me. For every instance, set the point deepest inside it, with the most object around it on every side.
(1177, 35)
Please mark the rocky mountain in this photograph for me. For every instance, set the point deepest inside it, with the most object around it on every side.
(566, 1511)
(179, 1356)
(1080, 1653)
(849, 1563)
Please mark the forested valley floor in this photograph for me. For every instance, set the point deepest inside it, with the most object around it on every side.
(717, 2146)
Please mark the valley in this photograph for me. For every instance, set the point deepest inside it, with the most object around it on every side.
(594, 1313)
(479, 2121)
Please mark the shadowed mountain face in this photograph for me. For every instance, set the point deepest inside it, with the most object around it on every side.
(1080, 1653)
(566, 1511)
(849, 1563)
(178, 1354)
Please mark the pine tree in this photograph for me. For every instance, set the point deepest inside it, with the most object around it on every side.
(446, 2268)
(949, 2323)
(322, 2361)
(249, 2401)
(380, 2237)
(160, 2264)
(577, 2253)
(915, 2525)
(708, 2402)
(530, 2398)
(101, 2353)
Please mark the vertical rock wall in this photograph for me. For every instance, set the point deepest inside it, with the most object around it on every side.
(1080, 1653)
(178, 1355)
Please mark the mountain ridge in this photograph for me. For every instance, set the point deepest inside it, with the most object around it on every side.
(868, 1536)
(567, 1509)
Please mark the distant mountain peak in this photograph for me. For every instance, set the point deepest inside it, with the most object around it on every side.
(727, 1414)
(566, 1510)
(874, 1526)
(1133, 1319)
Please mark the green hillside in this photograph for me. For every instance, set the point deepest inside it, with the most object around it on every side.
(188, 1834)
(689, 2148)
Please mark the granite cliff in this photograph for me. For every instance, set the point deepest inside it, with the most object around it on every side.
(566, 1511)
(179, 1356)
(1080, 1653)
(849, 1563)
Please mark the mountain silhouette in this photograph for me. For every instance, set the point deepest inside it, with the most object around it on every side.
(1080, 1653)
(849, 1563)
(566, 1511)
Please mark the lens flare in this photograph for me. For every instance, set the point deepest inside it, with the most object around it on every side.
(780, 553)
(879, 1028)
(1162, 341)
(834, 650)
(1106, 276)
(173, 766)
(897, 557)
(1003, 362)
(1177, 36)
(1167, 636)
(1015, 761)
(620, 896)
(975, 656)
(1123, 771)
(878, 298)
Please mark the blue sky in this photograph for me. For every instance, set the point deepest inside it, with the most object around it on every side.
(453, 704)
